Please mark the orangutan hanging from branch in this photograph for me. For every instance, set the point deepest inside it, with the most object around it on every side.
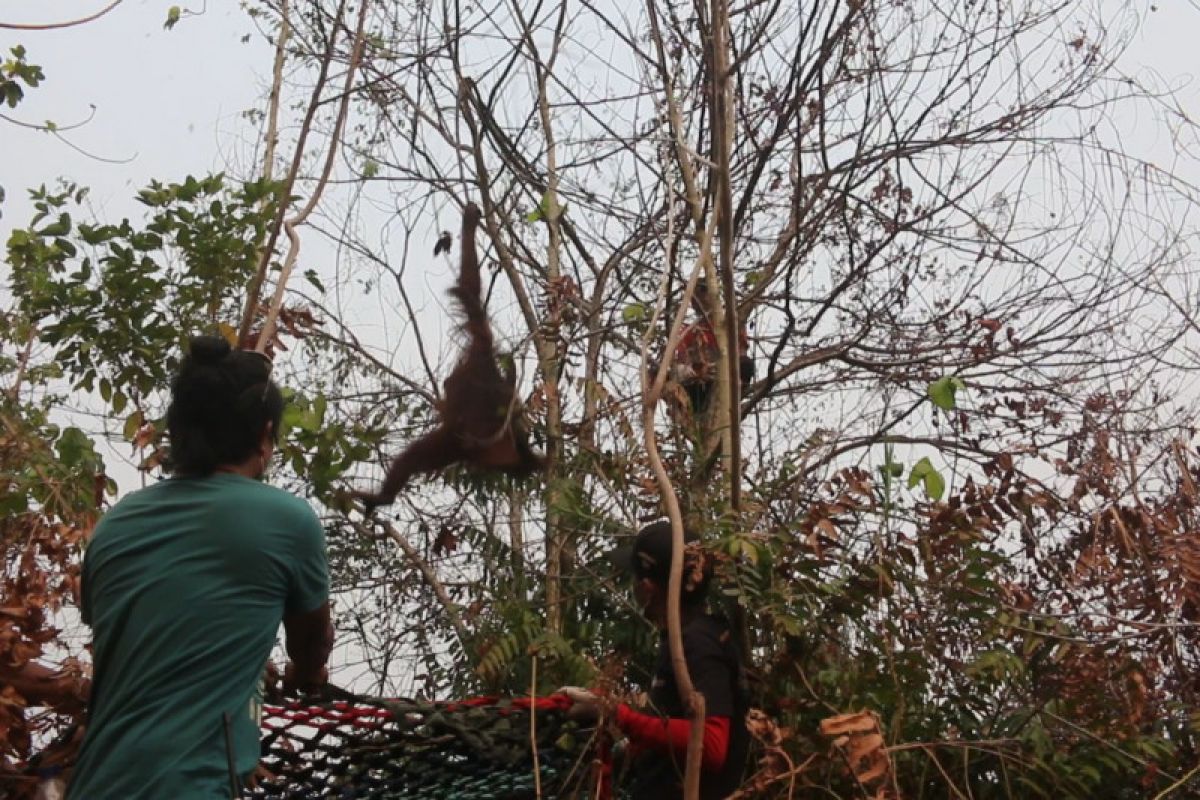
(481, 421)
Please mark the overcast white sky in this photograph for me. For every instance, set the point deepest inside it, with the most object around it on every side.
(172, 100)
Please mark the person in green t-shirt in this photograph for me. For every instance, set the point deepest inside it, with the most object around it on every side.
(185, 584)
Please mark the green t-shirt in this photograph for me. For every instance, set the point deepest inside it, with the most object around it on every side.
(185, 584)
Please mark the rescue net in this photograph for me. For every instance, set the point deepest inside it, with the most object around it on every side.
(358, 747)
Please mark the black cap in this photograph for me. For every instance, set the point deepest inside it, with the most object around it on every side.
(650, 554)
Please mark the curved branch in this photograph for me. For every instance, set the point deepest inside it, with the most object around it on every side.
(692, 700)
(49, 26)
(50, 127)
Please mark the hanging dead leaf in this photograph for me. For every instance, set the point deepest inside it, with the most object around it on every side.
(774, 765)
(827, 526)
(228, 333)
(154, 460)
(847, 723)
(446, 541)
(146, 434)
(859, 738)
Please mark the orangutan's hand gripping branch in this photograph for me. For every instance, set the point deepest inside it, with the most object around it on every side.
(481, 419)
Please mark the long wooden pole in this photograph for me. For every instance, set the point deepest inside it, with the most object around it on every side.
(722, 122)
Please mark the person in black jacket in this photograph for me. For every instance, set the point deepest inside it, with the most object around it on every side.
(658, 736)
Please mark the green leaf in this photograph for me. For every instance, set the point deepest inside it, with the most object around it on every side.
(60, 228)
(132, 424)
(749, 550)
(925, 473)
(634, 312)
(73, 445)
(543, 209)
(173, 14)
(296, 417)
(371, 168)
(942, 391)
(918, 472)
(13, 503)
(311, 277)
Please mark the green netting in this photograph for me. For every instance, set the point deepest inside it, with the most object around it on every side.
(479, 749)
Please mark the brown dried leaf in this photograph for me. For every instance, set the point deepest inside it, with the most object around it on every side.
(446, 541)
(145, 435)
(828, 527)
(861, 722)
(859, 737)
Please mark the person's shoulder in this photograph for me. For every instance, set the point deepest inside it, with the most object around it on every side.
(245, 497)
(278, 500)
(284, 522)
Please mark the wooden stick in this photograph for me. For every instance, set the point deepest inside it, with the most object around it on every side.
(537, 769)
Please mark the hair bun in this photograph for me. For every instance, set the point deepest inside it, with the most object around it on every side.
(208, 349)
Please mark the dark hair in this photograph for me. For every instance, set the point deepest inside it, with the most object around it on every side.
(651, 559)
(220, 402)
